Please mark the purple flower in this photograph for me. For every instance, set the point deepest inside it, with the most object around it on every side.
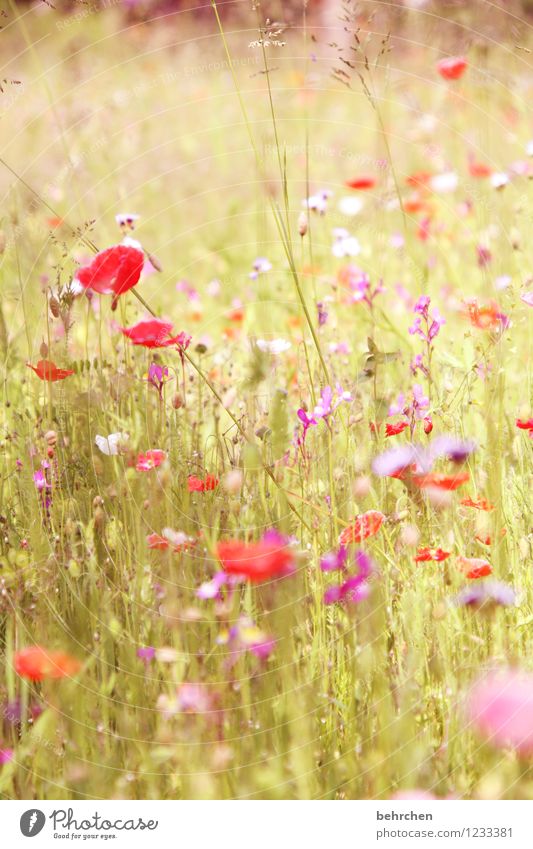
(246, 636)
(484, 256)
(356, 587)
(324, 409)
(146, 654)
(322, 314)
(6, 755)
(395, 459)
(486, 593)
(40, 481)
(455, 449)
(419, 403)
(417, 364)
(334, 560)
(353, 590)
(432, 322)
(260, 266)
(397, 406)
(211, 589)
(157, 377)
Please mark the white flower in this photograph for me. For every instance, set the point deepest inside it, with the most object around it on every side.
(351, 205)
(529, 148)
(126, 219)
(318, 202)
(344, 244)
(499, 179)
(273, 346)
(260, 266)
(176, 538)
(132, 243)
(113, 444)
(445, 182)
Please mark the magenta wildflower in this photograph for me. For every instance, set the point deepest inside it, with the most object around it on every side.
(334, 560)
(246, 636)
(356, 587)
(146, 654)
(6, 755)
(432, 323)
(157, 377)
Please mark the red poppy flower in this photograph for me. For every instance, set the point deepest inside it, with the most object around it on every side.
(414, 205)
(419, 179)
(37, 663)
(396, 428)
(364, 526)
(47, 370)
(403, 474)
(256, 561)
(524, 424)
(437, 481)
(150, 460)
(486, 317)
(206, 484)
(155, 333)
(479, 169)
(156, 542)
(481, 504)
(361, 183)
(452, 68)
(113, 271)
(423, 232)
(474, 567)
(486, 539)
(425, 554)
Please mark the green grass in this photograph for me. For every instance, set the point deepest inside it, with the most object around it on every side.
(354, 702)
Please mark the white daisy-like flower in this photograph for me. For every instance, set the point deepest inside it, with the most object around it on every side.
(318, 202)
(499, 179)
(445, 182)
(127, 219)
(176, 538)
(351, 205)
(344, 244)
(113, 444)
(261, 266)
(273, 346)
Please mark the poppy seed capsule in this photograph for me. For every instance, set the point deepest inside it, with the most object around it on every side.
(54, 306)
(51, 438)
(99, 519)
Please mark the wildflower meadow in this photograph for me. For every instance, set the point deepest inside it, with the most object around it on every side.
(266, 414)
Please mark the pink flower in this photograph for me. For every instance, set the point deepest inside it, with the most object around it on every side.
(500, 706)
(150, 460)
(6, 755)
